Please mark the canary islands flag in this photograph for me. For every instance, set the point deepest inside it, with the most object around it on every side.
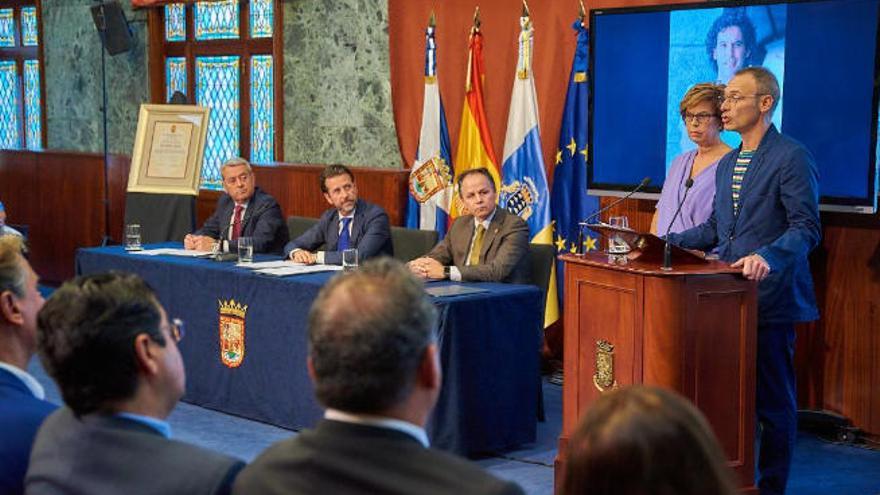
(569, 199)
(474, 142)
(430, 181)
(524, 190)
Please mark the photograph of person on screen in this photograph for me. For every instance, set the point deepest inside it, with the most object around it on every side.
(731, 44)
(711, 45)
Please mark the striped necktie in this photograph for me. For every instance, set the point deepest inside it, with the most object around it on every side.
(477, 247)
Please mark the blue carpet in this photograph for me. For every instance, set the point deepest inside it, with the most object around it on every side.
(819, 468)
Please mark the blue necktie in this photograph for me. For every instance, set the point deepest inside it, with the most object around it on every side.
(344, 235)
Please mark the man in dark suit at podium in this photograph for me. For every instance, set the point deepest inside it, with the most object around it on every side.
(765, 220)
(244, 211)
(22, 404)
(350, 223)
(376, 367)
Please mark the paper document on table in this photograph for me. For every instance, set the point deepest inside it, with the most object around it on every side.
(298, 270)
(191, 253)
(452, 290)
(259, 265)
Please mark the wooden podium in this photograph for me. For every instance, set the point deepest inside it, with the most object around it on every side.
(690, 329)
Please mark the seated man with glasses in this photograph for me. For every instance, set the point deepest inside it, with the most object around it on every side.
(109, 345)
(244, 211)
(701, 111)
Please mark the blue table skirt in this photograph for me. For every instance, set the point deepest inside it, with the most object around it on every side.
(489, 344)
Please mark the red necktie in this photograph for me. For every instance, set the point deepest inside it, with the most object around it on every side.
(236, 223)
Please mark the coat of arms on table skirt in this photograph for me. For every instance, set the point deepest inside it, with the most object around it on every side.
(232, 315)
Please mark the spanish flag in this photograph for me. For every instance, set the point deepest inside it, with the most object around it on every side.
(474, 143)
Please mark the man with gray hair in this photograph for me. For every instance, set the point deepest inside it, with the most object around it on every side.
(244, 211)
(375, 366)
(22, 408)
(765, 221)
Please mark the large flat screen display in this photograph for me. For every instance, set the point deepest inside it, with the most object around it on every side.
(823, 52)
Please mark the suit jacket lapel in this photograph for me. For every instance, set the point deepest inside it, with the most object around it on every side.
(754, 167)
(333, 231)
(491, 233)
(356, 222)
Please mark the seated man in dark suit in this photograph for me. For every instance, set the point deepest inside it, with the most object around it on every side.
(22, 408)
(244, 211)
(488, 245)
(351, 223)
(110, 346)
(376, 367)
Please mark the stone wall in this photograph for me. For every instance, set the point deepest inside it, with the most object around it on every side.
(337, 92)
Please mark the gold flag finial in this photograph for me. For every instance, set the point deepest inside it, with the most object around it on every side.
(432, 21)
(582, 12)
(477, 18)
(525, 9)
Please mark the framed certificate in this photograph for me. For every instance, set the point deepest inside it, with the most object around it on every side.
(168, 149)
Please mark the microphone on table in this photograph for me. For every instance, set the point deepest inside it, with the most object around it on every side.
(642, 184)
(667, 248)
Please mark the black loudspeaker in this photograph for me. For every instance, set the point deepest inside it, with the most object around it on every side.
(113, 27)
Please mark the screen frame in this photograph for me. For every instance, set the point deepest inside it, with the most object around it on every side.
(866, 204)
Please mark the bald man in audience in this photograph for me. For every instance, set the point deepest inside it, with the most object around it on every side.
(374, 362)
(112, 349)
(22, 404)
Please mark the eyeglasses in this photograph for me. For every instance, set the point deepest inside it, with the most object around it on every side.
(699, 118)
(736, 98)
(178, 329)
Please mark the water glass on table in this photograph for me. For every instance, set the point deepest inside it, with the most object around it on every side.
(133, 237)
(350, 259)
(245, 249)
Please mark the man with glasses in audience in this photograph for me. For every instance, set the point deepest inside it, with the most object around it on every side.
(765, 220)
(109, 345)
(22, 404)
(375, 364)
(244, 211)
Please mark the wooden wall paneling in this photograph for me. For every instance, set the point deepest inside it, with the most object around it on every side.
(19, 187)
(117, 177)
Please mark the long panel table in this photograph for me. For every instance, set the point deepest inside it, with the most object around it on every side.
(489, 344)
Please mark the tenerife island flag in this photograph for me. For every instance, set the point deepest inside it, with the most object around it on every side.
(524, 189)
(430, 180)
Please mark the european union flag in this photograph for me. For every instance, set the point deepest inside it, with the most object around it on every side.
(569, 202)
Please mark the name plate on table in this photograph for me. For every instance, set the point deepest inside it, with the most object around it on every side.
(452, 290)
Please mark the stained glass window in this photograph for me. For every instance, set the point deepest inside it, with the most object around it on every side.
(175, 75)
(216, 20)
(217, 87)
(10, 137)
(262, 111)
(261, 18)
(7, 28)
(29, 26)
(175, 22)
(32, 104)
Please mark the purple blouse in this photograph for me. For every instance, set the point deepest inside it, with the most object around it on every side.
(697, 206)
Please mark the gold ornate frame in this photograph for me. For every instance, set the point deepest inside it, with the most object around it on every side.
(168, 149)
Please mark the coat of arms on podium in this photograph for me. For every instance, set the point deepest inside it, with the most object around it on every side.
(232, 330)
(603, 378)
(429, 178)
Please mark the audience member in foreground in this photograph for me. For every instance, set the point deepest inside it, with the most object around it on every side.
(6, 229)
(244, 211)
(645, 441)
(22, 407)
(375, 366)
(350, 223)
(488, 245)
(108, 343)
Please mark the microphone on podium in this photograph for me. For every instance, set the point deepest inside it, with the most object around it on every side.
(642, 184)
(667, 248)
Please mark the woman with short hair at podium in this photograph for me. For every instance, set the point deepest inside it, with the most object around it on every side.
(701, 111)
